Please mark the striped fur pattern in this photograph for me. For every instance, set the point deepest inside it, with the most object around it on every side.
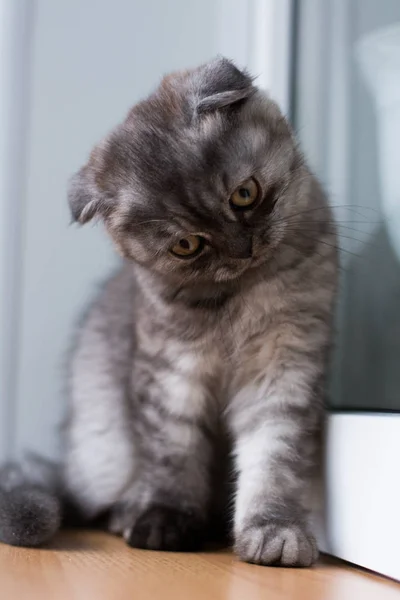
(191, 379)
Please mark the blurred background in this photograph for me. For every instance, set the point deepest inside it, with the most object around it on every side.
(70, 70)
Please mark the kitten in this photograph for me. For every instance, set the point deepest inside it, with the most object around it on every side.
(217, 328)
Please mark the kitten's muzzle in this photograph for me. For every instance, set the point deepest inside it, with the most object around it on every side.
(240, 247)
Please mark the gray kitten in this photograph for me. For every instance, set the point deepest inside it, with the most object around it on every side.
(211, 341)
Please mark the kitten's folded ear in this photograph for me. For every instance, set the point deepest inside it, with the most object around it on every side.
(83, 198)
(86, 200)
(220, 83)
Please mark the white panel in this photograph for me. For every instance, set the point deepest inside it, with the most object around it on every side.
(15, 50)
(270, 39)
(257, 35)
(364, 490)
(312, 81)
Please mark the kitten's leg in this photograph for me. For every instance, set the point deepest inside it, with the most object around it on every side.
(99, 457)
(166, 508)
(276, 423)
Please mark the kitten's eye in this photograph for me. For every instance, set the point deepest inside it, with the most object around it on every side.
(188, 246)
(245, 195)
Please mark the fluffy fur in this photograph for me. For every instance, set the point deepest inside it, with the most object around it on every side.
(181, 364)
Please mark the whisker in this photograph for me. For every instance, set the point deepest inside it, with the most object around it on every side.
(318, 265)
(220, 326)
(232, 328)
(341, 235)
(334, 246)
(339, 227)
(246, 304)
(334, 222)
(349, 207)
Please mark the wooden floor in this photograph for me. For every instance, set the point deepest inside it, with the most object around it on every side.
(96, 566)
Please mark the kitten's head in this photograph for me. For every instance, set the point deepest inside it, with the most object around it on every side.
(197, 182)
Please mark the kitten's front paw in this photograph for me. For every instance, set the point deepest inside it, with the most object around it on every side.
(164, 528)
(277, 543)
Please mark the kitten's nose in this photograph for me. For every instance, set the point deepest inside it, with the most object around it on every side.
(241, 247)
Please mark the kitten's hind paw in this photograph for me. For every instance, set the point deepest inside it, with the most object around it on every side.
(165, 528)
(277, 543)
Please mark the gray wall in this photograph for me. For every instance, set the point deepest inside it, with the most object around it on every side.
(15, 46)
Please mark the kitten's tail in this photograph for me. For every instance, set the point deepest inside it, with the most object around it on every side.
(30, 503)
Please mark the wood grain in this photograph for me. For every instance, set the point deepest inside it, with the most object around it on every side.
(96, 566)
